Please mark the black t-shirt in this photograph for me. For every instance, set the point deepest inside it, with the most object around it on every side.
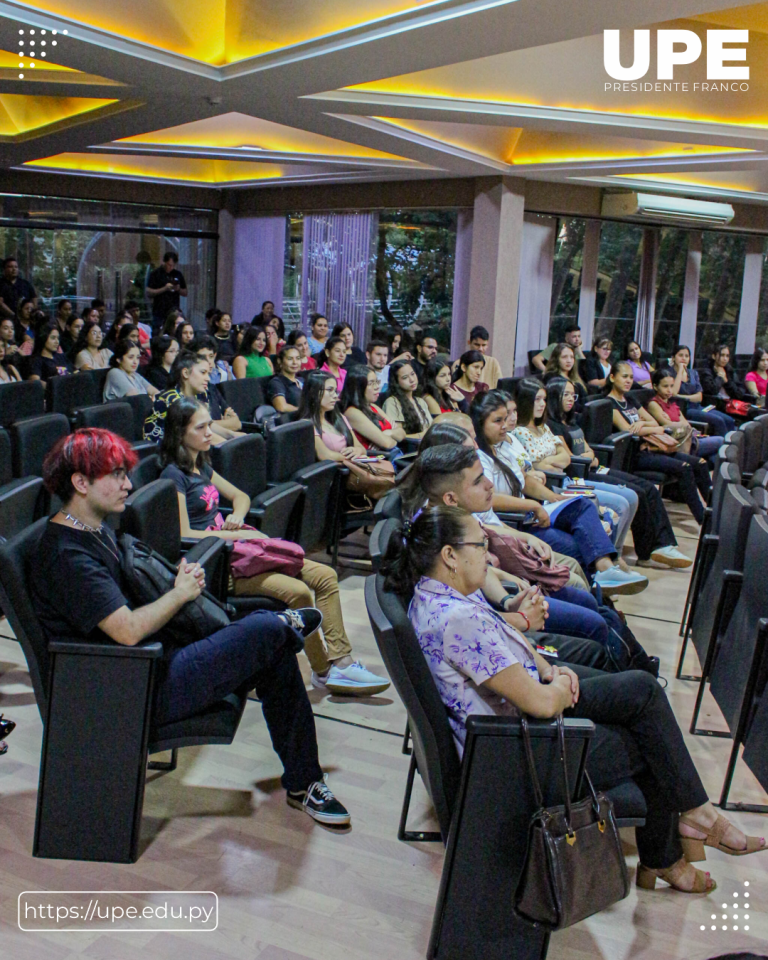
(14, 291)
(354, 358)
(628, 411)
(201, 495)
(226, 347)
(573, 436)
(47, 367)
(281, 386)
(76, 582)
(163, 303)
(158, 376)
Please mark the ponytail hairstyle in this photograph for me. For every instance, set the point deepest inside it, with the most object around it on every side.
(184, 361)
(466, 360)
(615, 367)
(482, 407)
(413, 553)
(310, 408)
(411, 419)
(441, 398)
(121, 348)
(658, 375)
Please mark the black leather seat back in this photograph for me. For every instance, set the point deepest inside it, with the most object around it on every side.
(141, 405)
(509, 384)
(753, 445)
(597, 421)
(32, 440)
(289, 448)
(21, 400)
(6, 461)
(17, 558)
(117, 417)
(737, 510)
(152, 516)
(68, 393)
(245, 395)
(433, 744)
(146, 471)
(242, 462)
(727, 473)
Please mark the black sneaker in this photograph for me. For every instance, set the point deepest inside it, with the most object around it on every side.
(318, 801)
(304, 621)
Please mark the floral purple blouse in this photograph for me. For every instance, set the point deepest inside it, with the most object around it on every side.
(465, 642)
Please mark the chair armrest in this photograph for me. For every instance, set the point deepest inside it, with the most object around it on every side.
(248, 426)
(510, 727)
(554, 479)
(700, 425)
(578, 467)
(150, 650)
(511, 518)
(203, 551)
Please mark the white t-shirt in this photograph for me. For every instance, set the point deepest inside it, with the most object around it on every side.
(512, 453)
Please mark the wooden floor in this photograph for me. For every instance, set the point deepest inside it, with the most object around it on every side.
(289, 889)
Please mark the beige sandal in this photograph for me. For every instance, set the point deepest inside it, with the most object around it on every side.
(693, 849)
(646, 878)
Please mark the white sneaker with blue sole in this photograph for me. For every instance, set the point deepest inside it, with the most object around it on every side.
(614, 580)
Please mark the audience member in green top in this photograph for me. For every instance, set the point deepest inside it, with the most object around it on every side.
(252, 359)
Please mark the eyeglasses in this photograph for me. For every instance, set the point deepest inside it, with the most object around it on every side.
(473, 543)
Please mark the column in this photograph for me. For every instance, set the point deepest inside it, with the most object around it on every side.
(497, 237)
(537, 263)
(646, 299)
(588, 291)
(225, 259)
(460, 326)
(750, 295)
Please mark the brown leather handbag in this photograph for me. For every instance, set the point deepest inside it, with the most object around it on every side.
(574, 866)
(372, 479)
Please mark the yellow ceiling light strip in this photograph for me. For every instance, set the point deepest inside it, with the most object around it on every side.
(26, 113)
(208, 172)
(234, 130)
(11, 61)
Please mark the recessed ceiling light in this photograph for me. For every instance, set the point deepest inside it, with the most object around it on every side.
(53, 43)
(32, 32)
(21, 32)
(21, 76)
(43, 53)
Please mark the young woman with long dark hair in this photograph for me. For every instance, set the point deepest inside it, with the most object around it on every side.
(483, 665)
(719, 378)
(756, 379)
(334, 437)
(354, 354)
(665, 411)
(562, 363)
(439, 393)
(185, 459)
(335, 354)
(404, 404)
(368, 421)
(688, 386)
(123, 379)
(251, 359)
(652, 533)
(466, 376)
(284, 389)
(298, 339)
(165, 349)
(47, 361)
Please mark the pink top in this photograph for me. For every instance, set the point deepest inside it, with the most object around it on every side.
(335, 441)
(341, 377)
(762, 382)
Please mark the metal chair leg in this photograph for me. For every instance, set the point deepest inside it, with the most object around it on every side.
(407, 749)
(413, 836)
(164, 765)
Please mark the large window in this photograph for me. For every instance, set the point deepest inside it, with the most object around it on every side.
(83, 249)
(566, 276)
(618, 277)
(722, 274)
(670, 284)
(413, 270)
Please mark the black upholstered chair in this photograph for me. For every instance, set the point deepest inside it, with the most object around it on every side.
(119, 418)
(611, 448)
(95, 701)
(753, 447)
(276, 510)
(146, 471)
(32, 439)
(22, 499)
(21, 400)
(69, 393)
(509, 383)
(245, 397)
(141, 404)
(720, 586)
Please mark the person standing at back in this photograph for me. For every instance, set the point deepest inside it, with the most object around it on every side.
(165, 287)
(14, 288)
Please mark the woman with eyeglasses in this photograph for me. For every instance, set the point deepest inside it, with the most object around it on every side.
(483, 665)
(597, 365)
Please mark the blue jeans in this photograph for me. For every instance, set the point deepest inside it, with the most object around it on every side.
(708, 447)
(623, 501)
(258, 651)
(574, 612)
(721, 423)
(578, 533)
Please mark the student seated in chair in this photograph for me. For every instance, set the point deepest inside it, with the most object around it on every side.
(482, 665)
(79, 594)
(185, 458)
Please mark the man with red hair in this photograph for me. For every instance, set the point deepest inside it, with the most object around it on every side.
(78, 593)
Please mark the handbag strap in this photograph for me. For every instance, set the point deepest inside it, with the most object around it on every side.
(537, 793)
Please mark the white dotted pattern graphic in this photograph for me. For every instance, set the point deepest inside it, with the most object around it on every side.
(744, 905)
(32, 44)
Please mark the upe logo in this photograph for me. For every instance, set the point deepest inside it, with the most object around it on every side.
(677, 47)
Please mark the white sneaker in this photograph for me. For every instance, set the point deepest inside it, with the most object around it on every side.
(353, 680)
(615, 581)
(671, 556)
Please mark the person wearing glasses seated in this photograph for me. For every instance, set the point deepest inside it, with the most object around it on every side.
(483, 665)
(597, 365)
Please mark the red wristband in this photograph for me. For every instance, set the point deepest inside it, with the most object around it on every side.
(527, 621)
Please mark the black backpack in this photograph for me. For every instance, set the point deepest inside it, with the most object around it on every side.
(148, 576)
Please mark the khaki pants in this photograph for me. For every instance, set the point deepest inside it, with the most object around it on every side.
(577, 578)
(296, 592)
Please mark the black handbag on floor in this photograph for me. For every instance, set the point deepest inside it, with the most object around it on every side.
(574, 865)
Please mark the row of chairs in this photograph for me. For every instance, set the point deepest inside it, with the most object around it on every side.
(726, 608)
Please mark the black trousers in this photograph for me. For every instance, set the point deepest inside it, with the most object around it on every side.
(651, 527)
(691, 474)
(575, 650)
(638, 737)
(258, 651)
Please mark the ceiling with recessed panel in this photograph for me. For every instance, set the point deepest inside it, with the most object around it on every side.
(234, 93)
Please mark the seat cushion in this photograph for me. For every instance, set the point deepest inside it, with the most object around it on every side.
(216, 724)
(628, 801)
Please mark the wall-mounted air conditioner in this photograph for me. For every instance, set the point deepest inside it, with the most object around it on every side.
(653, 206)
